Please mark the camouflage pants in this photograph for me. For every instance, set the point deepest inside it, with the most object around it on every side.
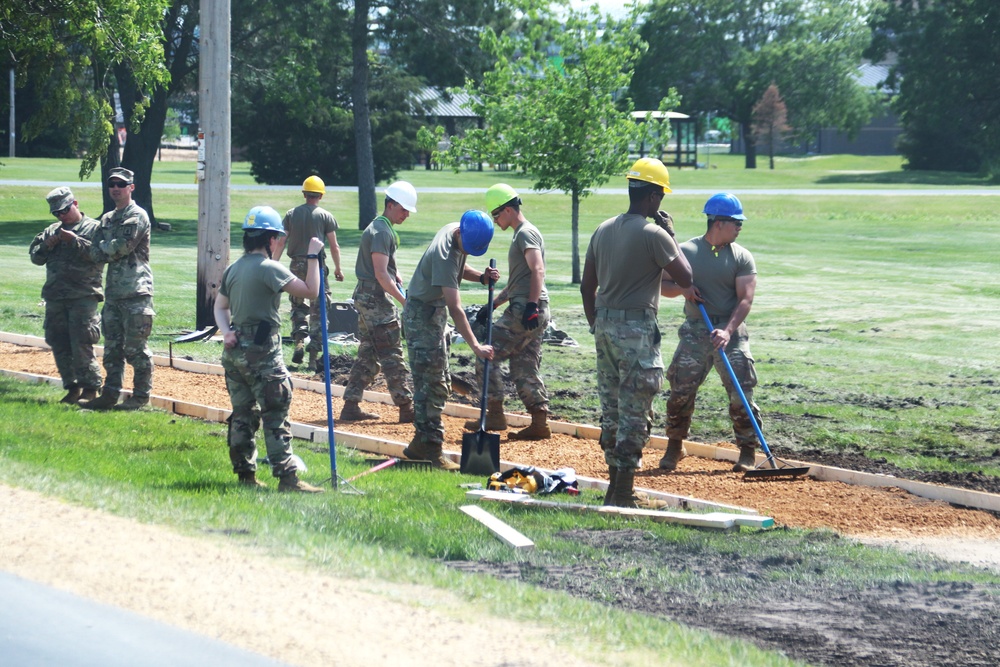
(305, 312)
(126, 324)
(428, 349)
(260, 390)
(72, 327)
(692, 362)
(523, 349)
(629, 375)
(381, 346)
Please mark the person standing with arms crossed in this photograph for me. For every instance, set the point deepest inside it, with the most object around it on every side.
(431, 296)
(379, 283)
(122, 240)
(517, 335)
(259, 385)
(302, 223)
(725, 282)
(621, 291)
(72, 291)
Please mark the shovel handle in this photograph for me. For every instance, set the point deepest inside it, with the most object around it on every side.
(486, 362)
(739, 389)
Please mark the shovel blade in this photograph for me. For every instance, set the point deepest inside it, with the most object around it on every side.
(480, 453)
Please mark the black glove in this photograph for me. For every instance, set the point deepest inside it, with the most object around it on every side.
(529, 320)
(664, 220)
(483, 315)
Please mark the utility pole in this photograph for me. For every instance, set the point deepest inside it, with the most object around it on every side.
(13, 126)
(214, 151)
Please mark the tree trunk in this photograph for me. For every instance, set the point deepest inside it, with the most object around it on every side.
(575, 235)
(749, 145)
(362, 117)
(141, 146)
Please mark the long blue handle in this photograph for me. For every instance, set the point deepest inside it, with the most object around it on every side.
(326, 377)
(486, 362)
(739, 390)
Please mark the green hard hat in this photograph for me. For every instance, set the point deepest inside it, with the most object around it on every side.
(498, 195)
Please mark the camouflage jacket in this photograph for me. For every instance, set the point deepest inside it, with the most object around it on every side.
(70, 271)
(122, 240)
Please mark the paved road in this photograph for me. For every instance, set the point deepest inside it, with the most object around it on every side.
(41, 626)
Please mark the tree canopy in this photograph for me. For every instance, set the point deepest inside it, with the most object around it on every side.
(721, 55)
(552, 105)
(946, 76)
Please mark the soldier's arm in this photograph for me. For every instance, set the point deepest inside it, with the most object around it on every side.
(125, 238)
(388, 282)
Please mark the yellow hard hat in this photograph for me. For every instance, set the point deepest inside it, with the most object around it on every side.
(315, 185)
(650, 170)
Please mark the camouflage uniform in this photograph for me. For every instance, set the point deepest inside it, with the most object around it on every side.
(715, 271)
(381, 345)
(510, 340)
(72, 291)
(693, 359)
(424, 319)
(629, 254)
(122, 240)
(301, 224)
(259, 384)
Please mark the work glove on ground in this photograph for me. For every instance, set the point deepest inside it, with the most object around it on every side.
(529, 320)
(664, 220)
(483, 315)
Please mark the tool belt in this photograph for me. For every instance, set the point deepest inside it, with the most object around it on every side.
(629, 315)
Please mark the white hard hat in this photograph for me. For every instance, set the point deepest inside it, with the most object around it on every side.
(403, 194)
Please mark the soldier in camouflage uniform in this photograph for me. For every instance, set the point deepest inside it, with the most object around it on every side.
(259, 385)
(517, 335)
(302, 223)
(431, 296)
(379, 283)
(621, 289)
(725, 282)
(122, 241)
(72, 291)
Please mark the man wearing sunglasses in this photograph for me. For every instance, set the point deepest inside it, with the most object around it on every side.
(122, 240)
(71, 292)
(725, 278)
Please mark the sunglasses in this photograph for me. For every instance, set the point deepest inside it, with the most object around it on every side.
(117, 184)
(63, 211)
(738, 223)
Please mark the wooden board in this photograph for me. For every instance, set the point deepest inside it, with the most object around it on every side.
(507, 535)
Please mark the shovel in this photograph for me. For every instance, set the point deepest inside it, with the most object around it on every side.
(786, 470)
(481, 450)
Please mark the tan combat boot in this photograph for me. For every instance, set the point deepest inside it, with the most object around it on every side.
(675, 452)
(624, 494)
(133, 402)
(612, 479)
(496, 420)
(291, 483)
(437, 458)
(747, 460)
(105, 401)
(352, 412)
(407, 413)
(416, 450)
(249, 478)
(73, 393)
(300, 351)
(538, 430)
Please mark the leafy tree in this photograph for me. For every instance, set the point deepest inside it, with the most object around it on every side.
(72, 50)
(770, 116)
(721, 55)
(438, 40)
(946, 73)
(292, 98)
(558, 118)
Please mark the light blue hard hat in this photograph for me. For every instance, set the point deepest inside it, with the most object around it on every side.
(263, 219)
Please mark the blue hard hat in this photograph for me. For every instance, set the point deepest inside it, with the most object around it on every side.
(476, 229)
(726, 205)
(263, 219)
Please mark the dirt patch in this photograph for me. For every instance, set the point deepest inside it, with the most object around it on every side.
(781, 600)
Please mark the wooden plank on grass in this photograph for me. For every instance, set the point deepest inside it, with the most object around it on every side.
(714, 520)
(507, 535)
